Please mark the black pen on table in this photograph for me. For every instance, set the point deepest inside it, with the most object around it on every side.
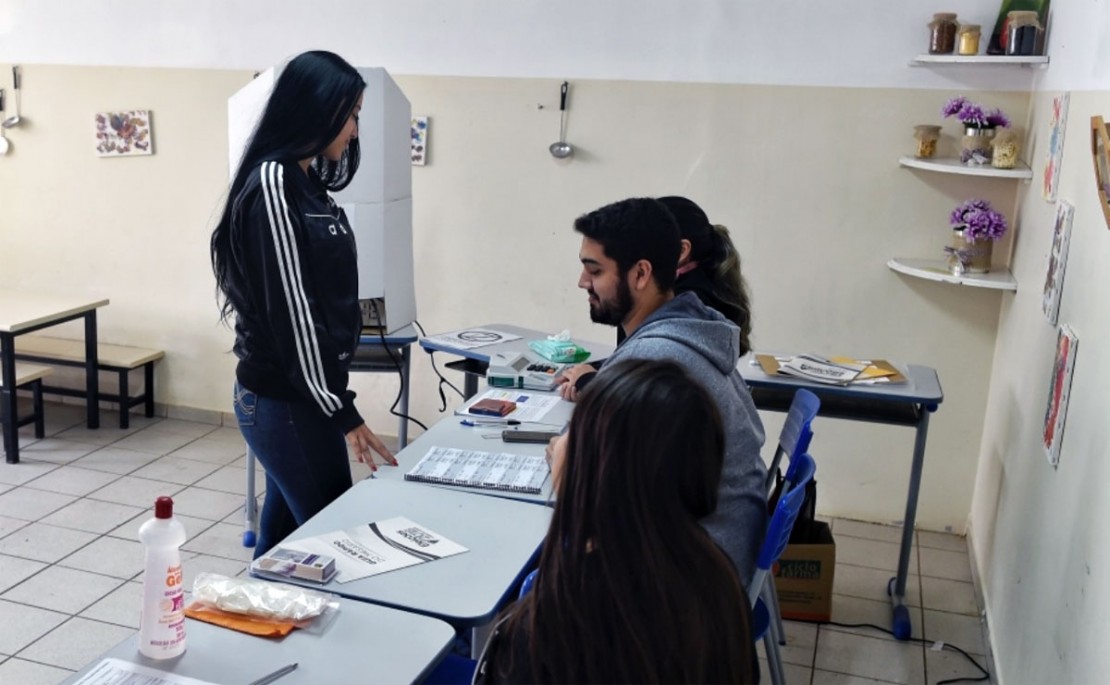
(275, 675)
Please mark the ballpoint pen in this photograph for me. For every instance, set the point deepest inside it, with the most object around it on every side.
(275, 675)
(489, 422)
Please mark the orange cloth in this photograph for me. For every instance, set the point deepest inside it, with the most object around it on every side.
(240, 622)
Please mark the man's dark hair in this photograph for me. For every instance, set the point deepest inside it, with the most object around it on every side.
(634, 229)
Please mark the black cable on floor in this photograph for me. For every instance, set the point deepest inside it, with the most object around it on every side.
(442, 380)
(945, 645)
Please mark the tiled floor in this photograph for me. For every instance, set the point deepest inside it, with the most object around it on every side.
(70, 564)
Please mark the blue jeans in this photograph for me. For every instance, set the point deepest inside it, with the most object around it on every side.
(305, 457)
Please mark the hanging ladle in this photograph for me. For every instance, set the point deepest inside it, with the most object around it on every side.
(13, 121)
(562, 149)
(3, 139)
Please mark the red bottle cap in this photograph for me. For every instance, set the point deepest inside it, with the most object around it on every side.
(163, 508)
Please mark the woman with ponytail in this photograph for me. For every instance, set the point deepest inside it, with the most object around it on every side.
(284, 258)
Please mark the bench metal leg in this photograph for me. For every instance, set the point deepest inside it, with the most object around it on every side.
(40, 414)
(124, 401)
(148, 380)
(9, 415)
(92, 375)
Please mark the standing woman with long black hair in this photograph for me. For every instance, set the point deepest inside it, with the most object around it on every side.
(284, 258)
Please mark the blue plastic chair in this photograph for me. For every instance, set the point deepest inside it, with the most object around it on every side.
(796, 433)
(765, 611)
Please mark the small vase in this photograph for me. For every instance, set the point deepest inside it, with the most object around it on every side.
(972, 258)
(976, 146)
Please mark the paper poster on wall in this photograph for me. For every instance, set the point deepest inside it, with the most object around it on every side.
(419, 140)
(1057, 126)
(1057, 261)
(122, 134)
(1058, 392)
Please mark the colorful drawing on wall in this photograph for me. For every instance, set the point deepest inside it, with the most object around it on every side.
(120, 134)
(1057, 261)
(1100, 151)
(1057, 125)
(419, 140)
(1058, 392)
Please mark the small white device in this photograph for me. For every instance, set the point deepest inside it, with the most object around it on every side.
(522, 370)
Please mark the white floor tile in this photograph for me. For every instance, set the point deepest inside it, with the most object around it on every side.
(30, 673)
(966, 632)
(871, 553)
(801, 639)
(115, 460)
(31, 504)
(206, 504)
(221, 540)
(62, 589)
(872, 583)
(92, 516)
(947, 664)
(154, 442)
(221, 451)
(108, 433)
(42, 542)
(939, 563)
(134, 491)
(14, 570)
(121, 606)
(829, 678)
(108, 556)
(176, 470)
(232, 479)
(72, 480)
(793, 673)
(869, 531)
(948, 541)
(853, 610)
(22, 625)
(10, 525)
(945, 595)
(57, 451)
(187, 429)
(25, 471)
(76, 643)
(895, 662)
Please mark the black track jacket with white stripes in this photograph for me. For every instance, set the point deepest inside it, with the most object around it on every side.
(297, 330)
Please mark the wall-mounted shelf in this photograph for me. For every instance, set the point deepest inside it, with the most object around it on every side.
(952, 165)
(937, 270)
(1015, 60)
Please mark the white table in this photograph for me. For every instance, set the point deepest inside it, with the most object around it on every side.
(25, 313)
(475, 360)
(449, 432)
(466, 590)
(364, 644)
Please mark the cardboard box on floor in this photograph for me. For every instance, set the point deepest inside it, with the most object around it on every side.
(804, 575)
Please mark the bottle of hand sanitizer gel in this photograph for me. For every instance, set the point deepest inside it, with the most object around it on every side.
(162, 623)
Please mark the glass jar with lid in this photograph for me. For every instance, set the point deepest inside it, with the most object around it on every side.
(967, 39)
(942, 33)
(927, 136)
(1022, 34)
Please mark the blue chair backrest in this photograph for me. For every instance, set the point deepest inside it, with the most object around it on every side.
(529, 581)
(796, 432)
(782, 522)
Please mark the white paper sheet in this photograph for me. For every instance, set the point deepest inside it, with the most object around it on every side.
(530, 407)
(472, 337)
(112, 671)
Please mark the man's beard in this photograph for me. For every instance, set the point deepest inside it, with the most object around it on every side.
(612, 312)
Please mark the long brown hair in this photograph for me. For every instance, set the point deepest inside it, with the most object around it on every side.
(630, 588)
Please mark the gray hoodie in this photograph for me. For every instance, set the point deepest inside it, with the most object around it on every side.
(707, 345)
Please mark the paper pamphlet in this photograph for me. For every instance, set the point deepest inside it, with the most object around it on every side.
(530, 407)
(471, 468)
(374, 548)
(472, 337)
(873, 371)
(112, 671)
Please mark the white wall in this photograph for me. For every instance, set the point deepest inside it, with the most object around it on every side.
(1039, 534)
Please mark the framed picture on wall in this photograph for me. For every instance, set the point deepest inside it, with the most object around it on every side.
(1059, 390)
(122, 134)
(1057, 261)
(1100, 150)
(1057, 125)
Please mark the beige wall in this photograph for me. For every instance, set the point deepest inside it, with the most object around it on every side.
(806, 177)
(1039, 533)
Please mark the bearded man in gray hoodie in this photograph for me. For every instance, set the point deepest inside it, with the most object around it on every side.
(629, 253)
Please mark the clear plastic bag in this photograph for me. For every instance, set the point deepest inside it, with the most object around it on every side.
(262, 599)
(560, 349)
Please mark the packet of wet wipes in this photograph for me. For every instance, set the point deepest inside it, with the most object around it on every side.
(560, 349)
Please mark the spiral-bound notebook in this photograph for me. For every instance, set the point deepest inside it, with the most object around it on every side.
(475, 469)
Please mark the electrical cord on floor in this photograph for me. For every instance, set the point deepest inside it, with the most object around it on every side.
(400, 373)
(442, 380)
(944, 645)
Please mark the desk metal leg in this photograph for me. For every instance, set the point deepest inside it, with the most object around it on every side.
(403, 429)
(9, 411)
(470, 385)
(92, 374)
(901, 624)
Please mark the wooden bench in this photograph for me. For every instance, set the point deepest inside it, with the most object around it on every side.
(32, 375)
(120, 359)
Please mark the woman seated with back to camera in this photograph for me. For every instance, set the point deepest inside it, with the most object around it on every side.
(630, 588)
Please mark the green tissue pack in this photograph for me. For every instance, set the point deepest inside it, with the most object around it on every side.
(560, 351)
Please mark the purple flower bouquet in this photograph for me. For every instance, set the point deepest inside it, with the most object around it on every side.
(978, 220)
(972, 115)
